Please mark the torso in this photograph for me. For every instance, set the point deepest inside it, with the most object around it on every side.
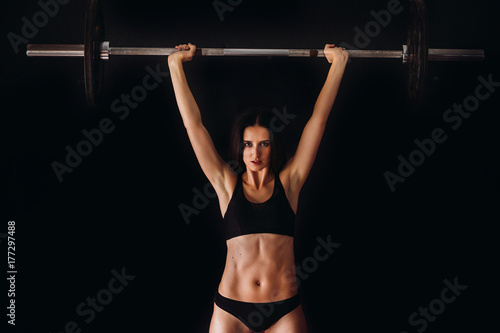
(259, 267)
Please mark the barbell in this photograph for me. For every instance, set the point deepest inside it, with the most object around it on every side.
(415, 53)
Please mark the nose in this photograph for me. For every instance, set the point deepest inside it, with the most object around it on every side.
(256, 152)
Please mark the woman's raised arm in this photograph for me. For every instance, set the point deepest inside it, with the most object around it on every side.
(300, 164)
(211, 163)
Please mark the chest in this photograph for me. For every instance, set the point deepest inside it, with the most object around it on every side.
(258, 196)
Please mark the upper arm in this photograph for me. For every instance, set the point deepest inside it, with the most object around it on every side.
(299, 166)
(214, 167)
(211, 163)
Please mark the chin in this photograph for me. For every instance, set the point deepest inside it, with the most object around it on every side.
(253, 167)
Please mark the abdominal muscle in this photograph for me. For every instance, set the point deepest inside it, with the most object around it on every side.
(259, 268)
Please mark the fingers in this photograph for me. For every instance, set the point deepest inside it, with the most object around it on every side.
(186, 47)
(334, 53)
(192, 48)
(329, 46)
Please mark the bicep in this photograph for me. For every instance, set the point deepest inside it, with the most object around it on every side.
(214, 167)
(301, 163)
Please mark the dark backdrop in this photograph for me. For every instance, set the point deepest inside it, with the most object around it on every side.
(119, 208)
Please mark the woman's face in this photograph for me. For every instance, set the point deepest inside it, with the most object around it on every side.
(256, 148)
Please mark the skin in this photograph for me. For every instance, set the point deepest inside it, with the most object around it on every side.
(259, 267)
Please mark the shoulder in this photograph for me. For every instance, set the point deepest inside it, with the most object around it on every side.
(227, 183)
(284, 176)
(224, 187)
(291, 188)
(290, 178)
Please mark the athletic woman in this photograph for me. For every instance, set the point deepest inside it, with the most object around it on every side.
(258, 290)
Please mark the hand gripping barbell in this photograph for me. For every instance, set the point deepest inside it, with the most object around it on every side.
(415, 53)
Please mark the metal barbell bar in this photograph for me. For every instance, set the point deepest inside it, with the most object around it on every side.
(77, 50)
(415, 52)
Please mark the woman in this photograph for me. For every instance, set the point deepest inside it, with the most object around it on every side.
(258, 290)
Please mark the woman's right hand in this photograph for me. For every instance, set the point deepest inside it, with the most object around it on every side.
(185, 52)
(335, 54)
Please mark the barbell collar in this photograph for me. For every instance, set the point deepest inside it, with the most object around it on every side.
(105, 51)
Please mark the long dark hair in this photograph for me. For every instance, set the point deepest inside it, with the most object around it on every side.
(263, 118)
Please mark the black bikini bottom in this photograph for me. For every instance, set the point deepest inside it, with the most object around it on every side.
(257, 316)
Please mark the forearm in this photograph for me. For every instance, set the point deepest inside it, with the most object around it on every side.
(188, 108)
(329, 91)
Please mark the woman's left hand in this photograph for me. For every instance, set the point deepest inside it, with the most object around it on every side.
(185, 52)
(335, 54)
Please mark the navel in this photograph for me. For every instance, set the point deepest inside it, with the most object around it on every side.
(257, 282)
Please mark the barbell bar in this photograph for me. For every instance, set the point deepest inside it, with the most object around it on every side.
(96, 50)
(105, 51)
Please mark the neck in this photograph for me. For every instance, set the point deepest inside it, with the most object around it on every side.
(258, 179)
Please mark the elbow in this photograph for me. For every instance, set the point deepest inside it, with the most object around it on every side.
(191, 119)
(322, 111)
(319, 119)
(192, 124)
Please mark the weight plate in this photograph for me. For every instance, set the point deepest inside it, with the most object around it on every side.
(417, 53)
(93, 66)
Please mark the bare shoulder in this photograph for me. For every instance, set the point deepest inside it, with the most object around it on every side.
(288, 178)
(290, 186)
(230, 180)
(224, 187)
(285, 177)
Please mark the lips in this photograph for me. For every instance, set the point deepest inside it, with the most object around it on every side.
(256, 162)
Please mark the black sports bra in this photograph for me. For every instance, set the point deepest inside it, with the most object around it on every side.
(273, 216)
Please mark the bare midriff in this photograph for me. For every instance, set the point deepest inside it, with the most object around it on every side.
(259, 268)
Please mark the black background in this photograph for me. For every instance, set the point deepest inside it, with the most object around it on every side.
(119, 208)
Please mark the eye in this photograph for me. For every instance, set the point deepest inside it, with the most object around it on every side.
(247, 144)
(265, 144)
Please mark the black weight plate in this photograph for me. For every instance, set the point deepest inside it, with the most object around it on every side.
(418, 52)
(93, 66)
